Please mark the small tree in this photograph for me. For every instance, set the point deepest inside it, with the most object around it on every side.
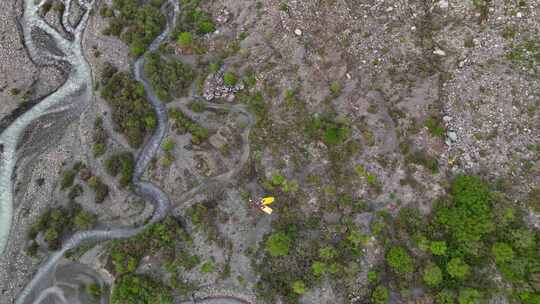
(278, 244)
(299, 287)
(438, 247)
(457, 269)
(380, 295)
(502, 252)
(399, 260)
(185, 39)
(229, 79)
(469, 296)
(432, 275)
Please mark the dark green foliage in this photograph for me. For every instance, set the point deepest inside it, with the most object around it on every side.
(94, 290)
(193, 19)
(325, 128)
(137, 24)
(182, 123)
(101, 190)
(185, 39)
(169, 78)
(457, 268)
(230, 79)
(140, 289)
(204, 216)
(68, 177)
(58, 222)
(278, 244)
(380, 295)
(123, 163)
(160, 238)
(84, 220)
(100, 138)
(132, 115)
(75, 192)
(399, 261)
(432, 275)
(469, 218)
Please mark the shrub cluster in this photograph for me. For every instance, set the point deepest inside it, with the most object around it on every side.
(182, 124)
(56, 223)
(135, 22)
(123, 163)
(169, 78)
(132, 115)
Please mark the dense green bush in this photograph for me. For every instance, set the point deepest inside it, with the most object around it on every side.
(278, 244)
(132, 115)
(182, 123)
(399, 260)
(162, 238)
(470, 217)
(58, 222)
(101, 189)
(193, 19)
(169, 78)
(137, 24)
(380, 295)
(123, 163)
(327, 129)
(140, 289)
(230, 79)
(99, 138)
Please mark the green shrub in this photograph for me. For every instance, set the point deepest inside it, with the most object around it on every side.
(432, 275)
(299, 287)
(94, 290)
(130, 109)
(169, 78)
(139, 289)
(123, 163)
(68, 177)
(167, 145)
(229, 79)
(434, 126)
(470, 216)
(502, 252)
(457, 268)
(101, 190)
(380, 295)
(438, 247)
(278, 244)
(444, 297)
(469, 296)
(84, 220)
(137, 25)
(185, 39)
(182, 123)
(399, 260)
(207, 267)
(318, 268)
(335, 88)
(99, 149)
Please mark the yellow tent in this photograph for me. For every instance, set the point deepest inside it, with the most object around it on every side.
(267, 200)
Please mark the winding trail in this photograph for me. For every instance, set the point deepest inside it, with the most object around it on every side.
(80, 81)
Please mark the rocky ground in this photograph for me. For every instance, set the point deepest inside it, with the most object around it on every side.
(428, 89)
